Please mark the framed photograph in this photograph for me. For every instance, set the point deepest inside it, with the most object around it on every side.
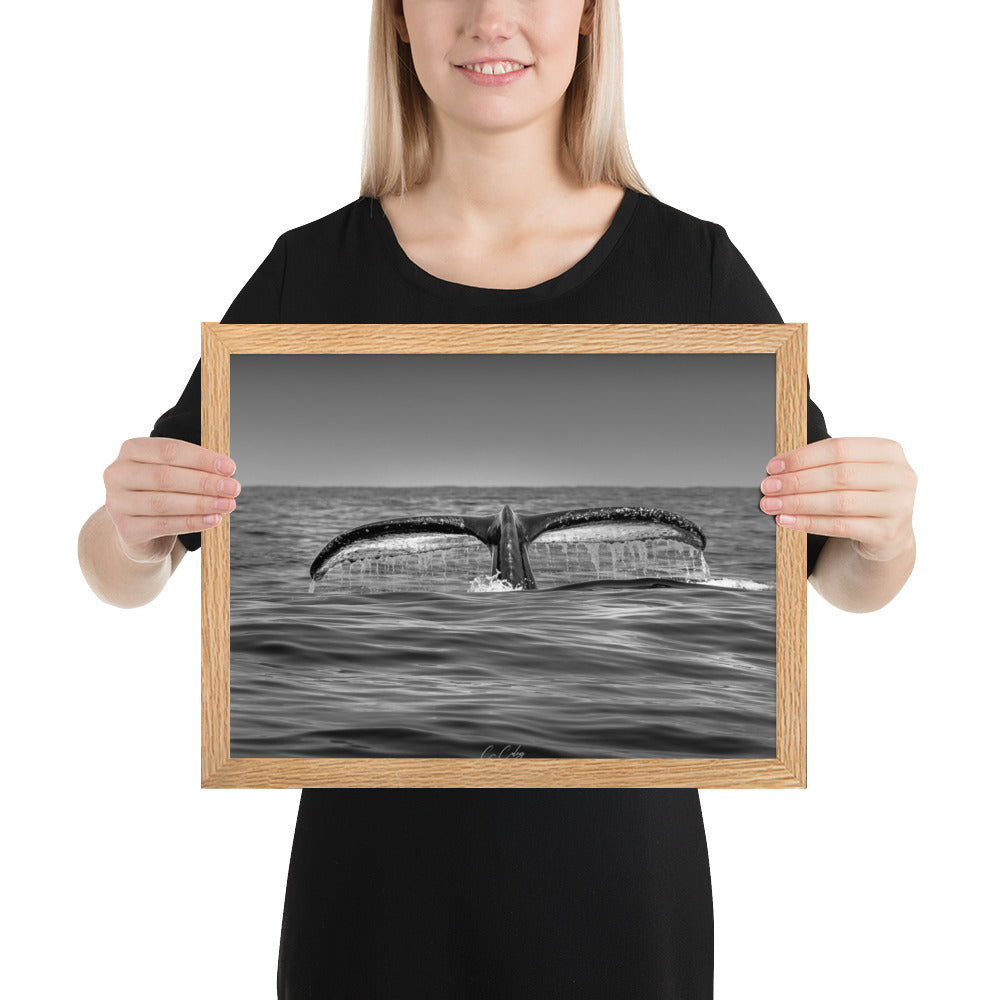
(474, 555)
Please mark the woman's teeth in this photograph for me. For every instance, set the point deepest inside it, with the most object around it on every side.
(494, 69)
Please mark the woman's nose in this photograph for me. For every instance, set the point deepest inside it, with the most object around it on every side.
(489, 19)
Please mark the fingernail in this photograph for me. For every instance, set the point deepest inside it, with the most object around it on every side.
(771, 485)
(228, 486)
(786, 519)
(210, 520)
(771, 503)
(775, 465)
(225, 466)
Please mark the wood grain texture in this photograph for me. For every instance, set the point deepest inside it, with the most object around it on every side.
(444, 772)
(214, 568)
(787, 342)
(500, 339)
(790, 414)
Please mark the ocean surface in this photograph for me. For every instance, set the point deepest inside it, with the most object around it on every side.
(424, 656)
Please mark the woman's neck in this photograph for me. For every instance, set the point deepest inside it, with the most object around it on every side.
(494, 183)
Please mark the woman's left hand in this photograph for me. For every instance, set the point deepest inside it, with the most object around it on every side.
(857, 488)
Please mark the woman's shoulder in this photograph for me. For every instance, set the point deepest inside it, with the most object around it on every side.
(702, 253)
(334, 225)
(666, 222)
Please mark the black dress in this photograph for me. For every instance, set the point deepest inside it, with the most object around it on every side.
(498, 893)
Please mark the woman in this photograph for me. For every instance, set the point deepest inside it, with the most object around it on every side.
(498, 187)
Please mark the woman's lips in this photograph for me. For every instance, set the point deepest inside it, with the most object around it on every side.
(498, 80)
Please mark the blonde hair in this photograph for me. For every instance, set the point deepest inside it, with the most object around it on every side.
(396, 151)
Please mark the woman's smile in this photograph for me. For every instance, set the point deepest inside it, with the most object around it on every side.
(493, 74)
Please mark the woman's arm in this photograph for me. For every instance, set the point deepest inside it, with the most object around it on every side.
(859, 492)
(853, 582)
(156, 489)
(114, 576)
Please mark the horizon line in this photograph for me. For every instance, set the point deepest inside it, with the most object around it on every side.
(500, 486)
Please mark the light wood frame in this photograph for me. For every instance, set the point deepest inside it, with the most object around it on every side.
(786, 342)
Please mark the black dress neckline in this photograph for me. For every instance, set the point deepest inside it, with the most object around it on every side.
(474, 294)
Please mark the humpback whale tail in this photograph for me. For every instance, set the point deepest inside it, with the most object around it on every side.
(507, 535)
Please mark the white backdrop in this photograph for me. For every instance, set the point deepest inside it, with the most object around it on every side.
(155, 153)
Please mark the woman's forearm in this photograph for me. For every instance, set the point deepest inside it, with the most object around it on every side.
(851, 582)
(113, 576)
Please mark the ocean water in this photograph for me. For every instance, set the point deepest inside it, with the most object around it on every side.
(423, 657)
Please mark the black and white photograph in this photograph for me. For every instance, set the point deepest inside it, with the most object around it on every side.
(502, 556)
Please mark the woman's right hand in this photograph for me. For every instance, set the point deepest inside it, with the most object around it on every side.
(158, 488)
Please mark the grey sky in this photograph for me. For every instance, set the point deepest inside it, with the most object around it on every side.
(511, 420)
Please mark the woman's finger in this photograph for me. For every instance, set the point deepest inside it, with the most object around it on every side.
(155, 478)
(835, 451)
(172, 451)
(844, 503)
(160, 504)
(136, 532)
(851, 476)
(879, 538)
(862, 529)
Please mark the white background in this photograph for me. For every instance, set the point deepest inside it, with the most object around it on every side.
(156, 151)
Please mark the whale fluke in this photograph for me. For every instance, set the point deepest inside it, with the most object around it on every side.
(568, 520)
(507, 534)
